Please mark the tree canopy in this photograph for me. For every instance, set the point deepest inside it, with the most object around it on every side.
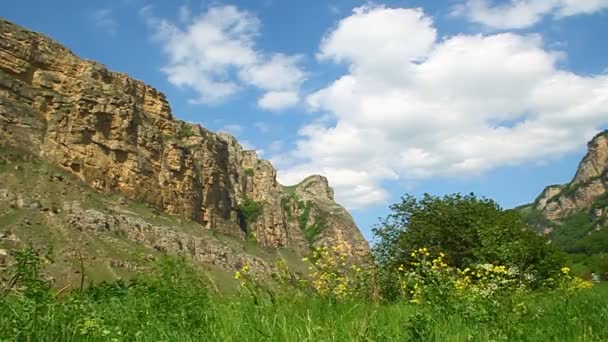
(468, 229)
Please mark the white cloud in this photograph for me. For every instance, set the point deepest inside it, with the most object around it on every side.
(413, 106)
(518, 14)
(278, 100)
(215, 55)
(104, 20)
(278, 73)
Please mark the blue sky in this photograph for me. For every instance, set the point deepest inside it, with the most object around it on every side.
(384, 98)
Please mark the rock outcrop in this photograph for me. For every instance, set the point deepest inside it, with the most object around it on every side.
(322, 220)
(587, 189)
(118, 134)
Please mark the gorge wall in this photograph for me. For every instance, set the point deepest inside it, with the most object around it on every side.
(587, 192)
(117, 134)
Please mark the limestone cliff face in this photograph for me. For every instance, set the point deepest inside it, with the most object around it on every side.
(335, 226)
(118, 134)
(585, 191)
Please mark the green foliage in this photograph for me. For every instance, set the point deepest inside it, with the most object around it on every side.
(534, 218)
(248, 212)
(291, 190)
(249, 172)
(311, 232)
(577, 235)
(172, 303)
(600, 202)
(185, 131)
(468, 229)
(304, 215)
(286, 206)
(172, 297)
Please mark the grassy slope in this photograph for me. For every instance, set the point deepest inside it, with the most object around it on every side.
(103, 253)
(188, 315)
(578, 236)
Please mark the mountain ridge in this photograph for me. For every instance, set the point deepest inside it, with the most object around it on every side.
(118, 135)
(574, 215)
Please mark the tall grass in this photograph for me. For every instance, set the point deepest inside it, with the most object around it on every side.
(173, 304)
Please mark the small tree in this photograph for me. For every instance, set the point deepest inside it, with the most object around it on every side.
(469, 230)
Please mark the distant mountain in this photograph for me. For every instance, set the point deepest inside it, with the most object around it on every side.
(575, 215)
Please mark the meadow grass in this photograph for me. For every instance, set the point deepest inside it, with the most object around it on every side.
(173, 304)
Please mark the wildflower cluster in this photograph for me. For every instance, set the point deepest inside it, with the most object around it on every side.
(425, 273)
(244, 275)
(428, 277)
(487, 279)
(329, 275)
(570, 284)
(333, 275)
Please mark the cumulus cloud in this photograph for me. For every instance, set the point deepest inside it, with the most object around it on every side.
(518, 14)
(278, 100)
(414, 106)
(214, 54)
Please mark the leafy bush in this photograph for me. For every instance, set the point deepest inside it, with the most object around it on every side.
(304, 214)
(185, 131)
(311, 232)
(249, 172)
(469, 230)
(248, 212)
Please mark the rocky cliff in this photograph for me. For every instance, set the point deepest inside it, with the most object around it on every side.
(575, 215)
(586, 191)
(118, 135)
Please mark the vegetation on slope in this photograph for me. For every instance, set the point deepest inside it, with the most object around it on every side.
(248, 212)
(36, 207)
(583, 237)
(468, 229)
(174, 303)
(423, 287)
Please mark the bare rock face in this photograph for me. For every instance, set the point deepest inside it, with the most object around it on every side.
(547, 195)
(322, 221)
(588, 186)
(595, 164)
(118, 134)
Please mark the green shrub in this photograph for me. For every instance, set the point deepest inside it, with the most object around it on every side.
(467, 229)
(249, 172)
(304, 215)
(185, 131)
(248, 212)
(311, 232)
(286, 206)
